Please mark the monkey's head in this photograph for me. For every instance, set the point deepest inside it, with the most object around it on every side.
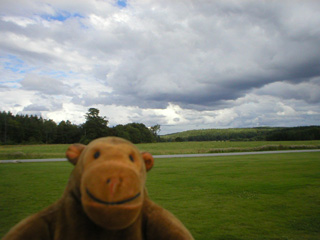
(110, 174)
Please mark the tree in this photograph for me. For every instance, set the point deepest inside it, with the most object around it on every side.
(155, 129)
(50, 131)
(120, 131)
(33, 129)
(134, 133)
(68, 132)
(139, 133)
(29, 129)
(95, 126)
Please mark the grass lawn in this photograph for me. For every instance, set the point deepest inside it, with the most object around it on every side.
(224, 146)
(238, 197)
(58, 150)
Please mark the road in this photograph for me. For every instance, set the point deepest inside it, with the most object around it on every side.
(172, 156)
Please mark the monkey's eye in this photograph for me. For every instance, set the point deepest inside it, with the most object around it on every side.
(96, 154)
(131, 158)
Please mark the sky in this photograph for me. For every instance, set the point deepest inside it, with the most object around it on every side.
(182, 64)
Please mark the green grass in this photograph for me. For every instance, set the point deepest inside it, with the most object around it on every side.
(33, 151)
(238, 197)
(58, 150)
(224, 146)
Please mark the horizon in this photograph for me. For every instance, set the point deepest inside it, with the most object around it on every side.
(187, 130)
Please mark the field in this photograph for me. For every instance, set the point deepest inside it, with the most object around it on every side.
(238, 197)
(58, 150)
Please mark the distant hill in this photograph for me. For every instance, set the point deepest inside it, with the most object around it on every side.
(247, 134)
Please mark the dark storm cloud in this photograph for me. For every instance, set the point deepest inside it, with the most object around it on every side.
(307, 91)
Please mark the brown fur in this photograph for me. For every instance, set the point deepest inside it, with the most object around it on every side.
(105, 198)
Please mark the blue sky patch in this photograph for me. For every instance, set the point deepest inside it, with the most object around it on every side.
(14, 64)
(61, 16)
(122, 3)
(57, 74)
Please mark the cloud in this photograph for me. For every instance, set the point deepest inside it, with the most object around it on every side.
(44, 85)
(35, 108)
(192, 64)
(307, 91)
(182, 60)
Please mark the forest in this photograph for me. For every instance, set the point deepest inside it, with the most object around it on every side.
(248, 134)
(25, 129)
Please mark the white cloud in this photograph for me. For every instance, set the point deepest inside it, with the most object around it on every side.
(69, 111)
(285, 110)
(21, 21)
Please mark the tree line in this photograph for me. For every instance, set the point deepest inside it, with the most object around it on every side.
(295, 134)
(248, 134)
(30, 129)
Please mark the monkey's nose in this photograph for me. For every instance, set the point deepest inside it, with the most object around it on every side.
(113, 183)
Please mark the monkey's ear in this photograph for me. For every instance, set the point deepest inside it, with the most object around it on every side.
(148, 160)
(73, 152)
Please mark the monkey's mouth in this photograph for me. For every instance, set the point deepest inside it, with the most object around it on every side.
(112, 203)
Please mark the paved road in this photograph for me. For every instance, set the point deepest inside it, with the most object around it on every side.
(173, 156)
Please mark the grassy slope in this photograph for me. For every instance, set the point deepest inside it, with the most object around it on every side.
(214, 132)
(239, 197)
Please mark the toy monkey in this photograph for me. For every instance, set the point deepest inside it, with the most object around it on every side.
(105, 198)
